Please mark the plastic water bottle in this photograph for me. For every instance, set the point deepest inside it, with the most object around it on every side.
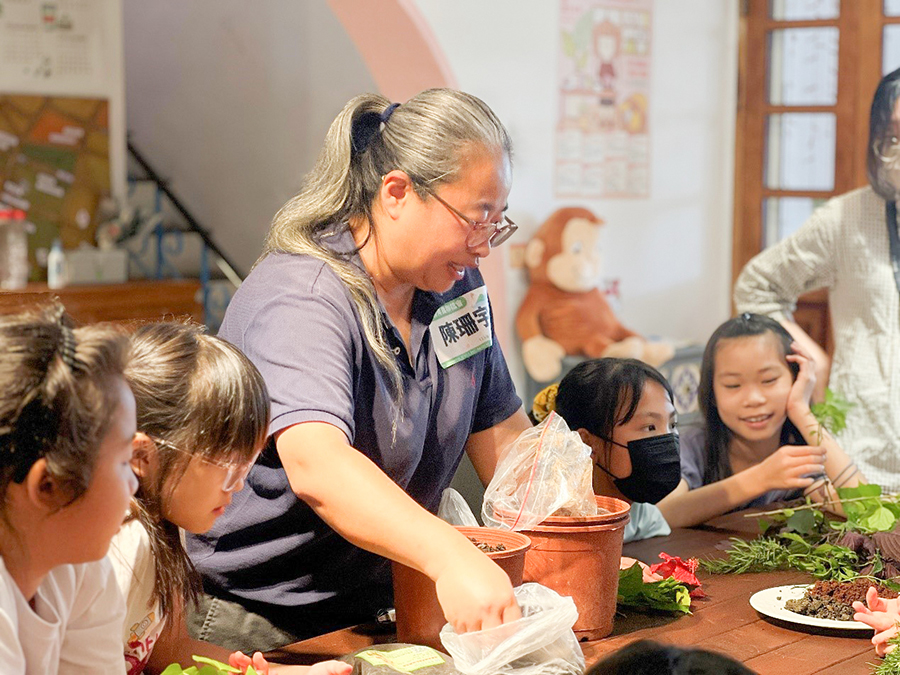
(13, 250)
(57, 269)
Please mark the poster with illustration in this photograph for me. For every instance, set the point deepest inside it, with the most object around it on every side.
(602, 131)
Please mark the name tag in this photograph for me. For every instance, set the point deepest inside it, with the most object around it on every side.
(462, 327)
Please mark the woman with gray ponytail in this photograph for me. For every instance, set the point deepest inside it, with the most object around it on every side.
(370, 323)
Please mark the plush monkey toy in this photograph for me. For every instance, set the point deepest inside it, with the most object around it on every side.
(564, 312)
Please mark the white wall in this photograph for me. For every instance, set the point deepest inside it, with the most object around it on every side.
(672, 252)
(232, 98)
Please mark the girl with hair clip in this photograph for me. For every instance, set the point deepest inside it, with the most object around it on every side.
(622, 409)
(66, 425)
(202, 415)
(760, 442)
(371, 325)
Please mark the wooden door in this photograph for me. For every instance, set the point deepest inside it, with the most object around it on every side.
(807, 72)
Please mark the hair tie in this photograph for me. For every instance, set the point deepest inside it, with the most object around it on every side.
(66, 349)
(386, 115)
(368, 125)
(545, 402)
(746, 316)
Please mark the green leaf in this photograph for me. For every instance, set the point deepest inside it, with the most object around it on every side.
(803, 522)
(215, 664)
(880, 520)
(173, 669)
(667, 595)
(864, 490)
(210, 670)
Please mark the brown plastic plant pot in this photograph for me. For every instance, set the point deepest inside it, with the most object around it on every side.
(419, 614)
(579, 556)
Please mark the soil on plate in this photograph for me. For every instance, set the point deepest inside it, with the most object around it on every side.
(488, 548)
(834, 599)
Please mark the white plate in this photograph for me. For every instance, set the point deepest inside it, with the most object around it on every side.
(771, 603)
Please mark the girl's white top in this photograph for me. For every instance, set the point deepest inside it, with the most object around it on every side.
(132, 560)
(73, 627)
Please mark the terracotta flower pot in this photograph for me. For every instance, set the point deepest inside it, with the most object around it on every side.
(579, 557)
(419, 615)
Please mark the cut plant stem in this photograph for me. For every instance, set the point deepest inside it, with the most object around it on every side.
(816, 505)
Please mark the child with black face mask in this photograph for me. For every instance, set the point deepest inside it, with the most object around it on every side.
(623, 410)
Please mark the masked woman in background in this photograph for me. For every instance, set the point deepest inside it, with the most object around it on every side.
(850, 246)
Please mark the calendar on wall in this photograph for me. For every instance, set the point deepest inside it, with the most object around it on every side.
(60, 43)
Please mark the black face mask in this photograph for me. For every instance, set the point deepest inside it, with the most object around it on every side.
(655, 468)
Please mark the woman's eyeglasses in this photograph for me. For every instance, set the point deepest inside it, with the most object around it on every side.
(493, 233)
(235, 473)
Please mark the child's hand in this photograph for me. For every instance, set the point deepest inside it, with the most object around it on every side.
(880, 640)
(802, 389)
(648, 577)
(330, 668)
(881, 613)
(242, 661)
(792, 466)
(261, 666)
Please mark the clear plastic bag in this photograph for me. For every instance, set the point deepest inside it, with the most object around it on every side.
(546, 471)
(540, 643)
(455, 510)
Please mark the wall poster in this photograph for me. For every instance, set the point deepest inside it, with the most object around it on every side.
(602, 131)
(54, 165)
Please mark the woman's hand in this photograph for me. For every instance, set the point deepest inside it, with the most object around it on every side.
(647, 576)
(802, 389)
(791, 467)
(475, 593)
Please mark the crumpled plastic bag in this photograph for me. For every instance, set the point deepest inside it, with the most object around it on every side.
(455, 510)
(546, 471)
(540, 643)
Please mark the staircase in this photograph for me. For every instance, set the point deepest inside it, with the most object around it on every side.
(167, 242)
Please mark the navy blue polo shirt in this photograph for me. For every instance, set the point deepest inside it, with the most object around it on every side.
(294, 319)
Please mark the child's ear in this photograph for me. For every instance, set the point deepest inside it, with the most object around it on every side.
(143, 455)
(44, 490)
(592, 441)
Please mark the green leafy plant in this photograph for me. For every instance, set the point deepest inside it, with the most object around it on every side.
(205, 667)
(667, 595)
(805, 538)
(831, 414)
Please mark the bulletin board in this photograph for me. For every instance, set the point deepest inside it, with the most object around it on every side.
(54, 165)
(603, 129)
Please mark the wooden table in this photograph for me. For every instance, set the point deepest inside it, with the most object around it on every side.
(149, 299)
(723, 622)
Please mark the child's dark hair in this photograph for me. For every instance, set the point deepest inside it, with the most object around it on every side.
(599, 394)
(202, 395)
(57, 398)
(718, 436)
(646, 657)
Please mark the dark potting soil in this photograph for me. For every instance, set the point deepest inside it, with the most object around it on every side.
(488, 548)
(834, 599)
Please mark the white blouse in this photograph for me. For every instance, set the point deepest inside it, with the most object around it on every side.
(844, 247)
